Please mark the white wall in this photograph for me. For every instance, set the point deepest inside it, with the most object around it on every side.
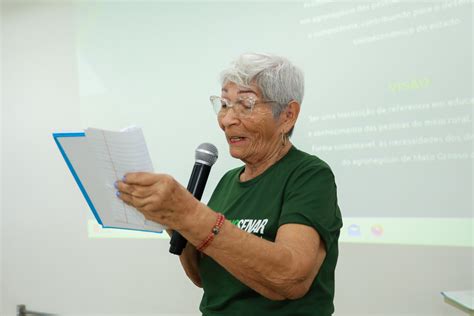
(49, 264)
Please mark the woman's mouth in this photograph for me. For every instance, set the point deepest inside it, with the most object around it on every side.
(236, 139)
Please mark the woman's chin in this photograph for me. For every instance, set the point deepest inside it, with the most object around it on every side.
(235, 152)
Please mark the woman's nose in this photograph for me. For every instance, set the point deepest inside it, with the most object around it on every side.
(229, 117)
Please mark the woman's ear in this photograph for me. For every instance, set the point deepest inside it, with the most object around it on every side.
(290, 115)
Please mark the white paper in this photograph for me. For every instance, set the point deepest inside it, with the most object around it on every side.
(463, 298)
(118, 153)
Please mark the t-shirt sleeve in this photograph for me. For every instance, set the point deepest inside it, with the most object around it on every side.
(310, 199)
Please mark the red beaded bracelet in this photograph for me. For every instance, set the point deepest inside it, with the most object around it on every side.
(215, 230)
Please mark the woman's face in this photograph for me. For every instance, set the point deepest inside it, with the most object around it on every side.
(251, 138)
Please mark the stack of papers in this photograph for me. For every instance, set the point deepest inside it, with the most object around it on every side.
(97, 159)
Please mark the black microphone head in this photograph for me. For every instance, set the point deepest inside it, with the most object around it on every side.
(206, 153)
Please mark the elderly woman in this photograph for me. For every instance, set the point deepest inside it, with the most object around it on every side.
(267, 242)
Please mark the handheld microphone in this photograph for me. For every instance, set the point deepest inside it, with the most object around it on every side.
(206, 155)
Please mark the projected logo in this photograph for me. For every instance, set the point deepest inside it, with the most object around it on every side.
(377, 230)
(354, 230)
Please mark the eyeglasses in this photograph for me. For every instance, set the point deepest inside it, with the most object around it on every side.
(243, 106)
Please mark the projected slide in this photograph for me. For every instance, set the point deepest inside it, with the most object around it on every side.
(388, 101)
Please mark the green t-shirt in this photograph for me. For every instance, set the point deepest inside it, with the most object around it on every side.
(300, 188)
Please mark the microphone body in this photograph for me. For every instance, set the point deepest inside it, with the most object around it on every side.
(206, 156)
(197, 181)
(196, 185)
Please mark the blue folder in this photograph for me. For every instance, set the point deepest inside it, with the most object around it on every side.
(72, 147)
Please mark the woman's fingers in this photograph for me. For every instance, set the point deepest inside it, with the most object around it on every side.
(144, 184)
(158, 196)
(138, 195)
(136, 201)
(134, 190)
(141, 178)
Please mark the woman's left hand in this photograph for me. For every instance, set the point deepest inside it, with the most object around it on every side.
(159, 197)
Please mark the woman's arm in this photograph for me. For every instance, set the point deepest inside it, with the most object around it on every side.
(284, 269)
(190, 261)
